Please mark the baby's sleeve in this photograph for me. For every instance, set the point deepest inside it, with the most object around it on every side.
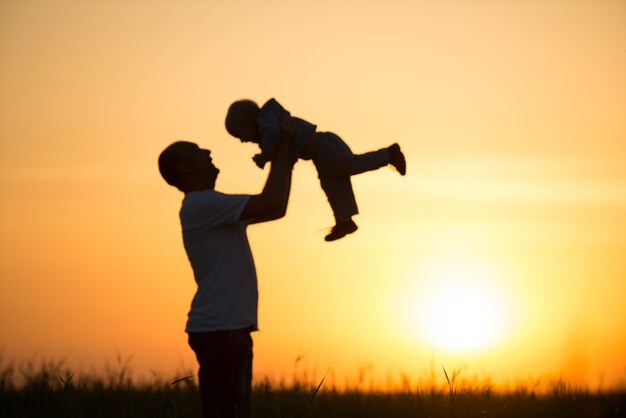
(268, 122)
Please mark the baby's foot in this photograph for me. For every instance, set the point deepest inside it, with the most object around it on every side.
(342, 229)
(396, 158)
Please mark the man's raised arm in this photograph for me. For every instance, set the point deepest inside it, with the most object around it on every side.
(271, 204)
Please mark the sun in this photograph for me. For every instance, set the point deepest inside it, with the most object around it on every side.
(459, 308)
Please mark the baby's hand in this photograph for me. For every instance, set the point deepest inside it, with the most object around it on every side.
(259, 160)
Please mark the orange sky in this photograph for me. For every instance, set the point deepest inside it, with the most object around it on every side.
(511, 115)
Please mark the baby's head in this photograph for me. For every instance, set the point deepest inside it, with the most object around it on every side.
(241, 121)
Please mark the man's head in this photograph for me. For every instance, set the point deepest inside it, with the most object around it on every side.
(187, 167)
(241, 121)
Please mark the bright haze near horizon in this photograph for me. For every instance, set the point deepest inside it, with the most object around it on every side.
(501, 251)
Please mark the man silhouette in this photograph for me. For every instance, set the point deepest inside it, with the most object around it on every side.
(224, 309)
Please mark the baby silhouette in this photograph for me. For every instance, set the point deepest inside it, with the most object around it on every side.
(334, 161)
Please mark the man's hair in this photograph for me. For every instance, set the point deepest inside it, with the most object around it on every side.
(240, 113)
(169, 160)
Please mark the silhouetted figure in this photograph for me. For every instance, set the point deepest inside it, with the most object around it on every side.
(224, 309)
(333, 159)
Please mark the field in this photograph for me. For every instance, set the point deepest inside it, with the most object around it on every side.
(48, 389)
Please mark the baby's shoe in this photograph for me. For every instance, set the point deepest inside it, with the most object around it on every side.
(342, 229)
(396, 158)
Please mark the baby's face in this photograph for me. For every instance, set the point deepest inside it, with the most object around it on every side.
(249, 133)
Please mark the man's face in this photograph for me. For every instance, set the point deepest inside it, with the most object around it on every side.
(198, 162)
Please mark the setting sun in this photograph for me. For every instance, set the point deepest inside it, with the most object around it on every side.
(460, 309)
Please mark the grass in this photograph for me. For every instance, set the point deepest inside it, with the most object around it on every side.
(49, 389)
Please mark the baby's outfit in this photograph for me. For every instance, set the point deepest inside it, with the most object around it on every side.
(334, 161)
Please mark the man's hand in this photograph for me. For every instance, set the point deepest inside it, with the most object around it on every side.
(259, 160)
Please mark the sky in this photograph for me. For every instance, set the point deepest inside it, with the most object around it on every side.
(500, 253)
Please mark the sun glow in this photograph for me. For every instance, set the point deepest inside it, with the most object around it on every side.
(459, 308)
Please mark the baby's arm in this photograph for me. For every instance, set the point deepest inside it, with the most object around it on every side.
(268, 141)
(279, 120)
(268, 123)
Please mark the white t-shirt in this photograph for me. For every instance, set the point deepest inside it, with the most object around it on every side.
(218, 249)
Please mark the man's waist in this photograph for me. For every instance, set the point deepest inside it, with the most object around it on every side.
(248, 329)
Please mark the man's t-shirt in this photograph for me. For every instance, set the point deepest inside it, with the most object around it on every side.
(218, 249)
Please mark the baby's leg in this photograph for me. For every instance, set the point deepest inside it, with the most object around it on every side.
(334, 158)
(340, 196)
(362, 163)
